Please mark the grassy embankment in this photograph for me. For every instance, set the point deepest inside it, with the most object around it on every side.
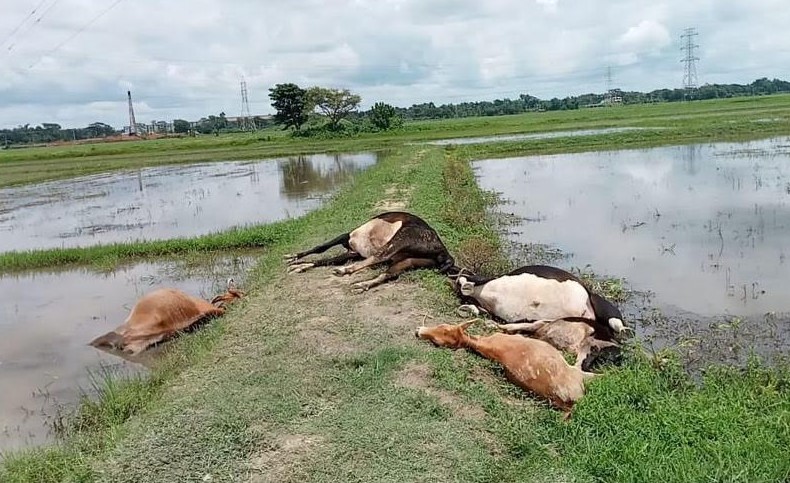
(731, 119)
(727, 119)
(288, 387)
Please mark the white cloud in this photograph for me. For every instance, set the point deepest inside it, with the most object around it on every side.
(649, 35)
(549, 5)
(187, 61)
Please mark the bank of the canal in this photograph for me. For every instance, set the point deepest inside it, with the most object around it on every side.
(305, 381)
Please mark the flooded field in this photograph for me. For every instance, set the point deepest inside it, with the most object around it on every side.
(168, 202)
(523, 137)
(703, 230)
(47, 320)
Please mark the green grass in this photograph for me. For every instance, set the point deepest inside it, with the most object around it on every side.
(291, 387)
(735, 119)
(109, 256)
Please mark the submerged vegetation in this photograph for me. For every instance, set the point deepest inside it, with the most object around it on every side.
(288, 387)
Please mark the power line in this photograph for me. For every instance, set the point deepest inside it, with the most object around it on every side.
(32, 25)
(690, 67)
(75, 34)
(16, 29)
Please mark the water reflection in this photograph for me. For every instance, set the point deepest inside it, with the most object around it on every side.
(303, 178)
(47, 320)
(168, 201)
(705, 227)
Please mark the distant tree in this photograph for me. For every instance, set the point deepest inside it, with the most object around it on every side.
(99, 129)
(261, 122)
(335, 104)
(383, 116)
(289, 100)
(180, 126)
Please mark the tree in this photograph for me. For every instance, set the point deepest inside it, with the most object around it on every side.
(335, 104)
(290, 102)
(97, 129)
(180, 126)
(383, 116)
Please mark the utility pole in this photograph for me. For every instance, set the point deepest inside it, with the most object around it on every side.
(689, 60)
(246, 123)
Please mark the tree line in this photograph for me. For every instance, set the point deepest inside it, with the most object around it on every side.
(528, 103)
(51, 132)
(320, 111)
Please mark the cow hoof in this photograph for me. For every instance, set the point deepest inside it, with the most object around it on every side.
(467, 311)
(290, 258)
(490, 324)
(358, 288)
(340, 271)
(301, 267)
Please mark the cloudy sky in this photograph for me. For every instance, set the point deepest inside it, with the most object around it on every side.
(72, 61)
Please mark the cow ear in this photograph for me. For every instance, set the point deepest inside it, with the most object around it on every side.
(465, 325)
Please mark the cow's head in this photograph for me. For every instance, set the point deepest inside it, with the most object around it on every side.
(231, 295)
(444, 335)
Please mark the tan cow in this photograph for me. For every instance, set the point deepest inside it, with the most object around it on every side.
(532, 364)
(571, 334)
(161, 314)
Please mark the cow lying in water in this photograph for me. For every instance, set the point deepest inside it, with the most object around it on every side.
(161, 314)
(539, 292)
(532, 364)
(402, 240)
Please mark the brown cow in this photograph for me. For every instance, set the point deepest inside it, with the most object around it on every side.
(532, 364)
(571, 334)
(160, 315)
(402, 240)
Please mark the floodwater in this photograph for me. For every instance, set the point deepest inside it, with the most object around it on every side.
(704, 229)
(169, 201)
(47, 320)
(541, 135)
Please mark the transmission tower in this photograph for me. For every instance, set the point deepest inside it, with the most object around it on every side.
(612, 95)
(607, 97)
(608, 78)
(132, 123)
(246, 122)
(690, 70)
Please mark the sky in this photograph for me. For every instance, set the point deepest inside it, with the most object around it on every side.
(72, 61)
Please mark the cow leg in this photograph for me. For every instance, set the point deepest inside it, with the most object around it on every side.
(338, 260)
(340, 240)
(469, 310)
(522, 327)
(396, 249)
(393, 272)
(355, 267)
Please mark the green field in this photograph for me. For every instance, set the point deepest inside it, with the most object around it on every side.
(739, 118)
(287, 387)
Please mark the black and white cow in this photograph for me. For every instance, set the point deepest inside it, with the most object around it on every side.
(402, 240)
(539, 293)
